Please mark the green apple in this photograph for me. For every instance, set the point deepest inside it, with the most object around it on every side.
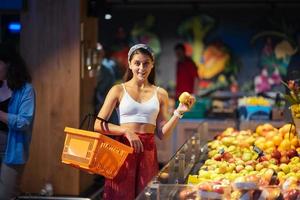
(212, 153)
(284, 167)
(249, 168)
(247, 156)
(259, 166)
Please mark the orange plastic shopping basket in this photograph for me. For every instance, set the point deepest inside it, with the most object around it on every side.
(94, 152)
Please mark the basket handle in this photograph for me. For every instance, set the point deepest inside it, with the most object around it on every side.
(89, 117)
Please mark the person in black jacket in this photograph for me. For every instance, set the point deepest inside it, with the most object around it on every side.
(107, 75)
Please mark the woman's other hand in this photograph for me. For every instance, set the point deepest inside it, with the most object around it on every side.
(134, 141)
(182, 108)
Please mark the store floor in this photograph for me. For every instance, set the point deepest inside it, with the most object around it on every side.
(94, 195)
(94, 192)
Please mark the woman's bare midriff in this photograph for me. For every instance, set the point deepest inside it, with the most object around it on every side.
(139, 128)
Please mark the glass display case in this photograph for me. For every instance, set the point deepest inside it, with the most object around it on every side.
(170, 182)
(175, 180)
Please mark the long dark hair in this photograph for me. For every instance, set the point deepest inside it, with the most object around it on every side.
(17, 72)
(128, 74)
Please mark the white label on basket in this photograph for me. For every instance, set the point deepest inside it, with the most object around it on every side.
(112, 148)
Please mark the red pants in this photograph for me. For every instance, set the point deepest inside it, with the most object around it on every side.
(137, 170)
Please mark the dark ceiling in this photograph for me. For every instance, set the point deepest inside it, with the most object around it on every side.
(198, 1)
(98, 7)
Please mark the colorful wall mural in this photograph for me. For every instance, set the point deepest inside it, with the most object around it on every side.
(232, 48)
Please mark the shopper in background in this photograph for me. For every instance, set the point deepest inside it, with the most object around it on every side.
(17, 108)
(107, 75)
(143, 113)
(186, 72)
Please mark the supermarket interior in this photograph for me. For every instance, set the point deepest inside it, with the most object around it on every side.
(239, 140)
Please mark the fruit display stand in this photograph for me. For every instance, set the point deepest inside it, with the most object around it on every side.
(186, 128)
(238, 164)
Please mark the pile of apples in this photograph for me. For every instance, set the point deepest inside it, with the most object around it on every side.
(267, 157)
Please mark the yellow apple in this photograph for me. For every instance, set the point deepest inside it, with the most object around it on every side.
(287, 128)
(184, 98)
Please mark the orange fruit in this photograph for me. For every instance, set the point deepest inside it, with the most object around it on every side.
(267, 127)
(294, 142)
(285, 144)
(287, 128)
(277, 140)
(289, 135)
(270, 134)
(269, 144)
(259, 129)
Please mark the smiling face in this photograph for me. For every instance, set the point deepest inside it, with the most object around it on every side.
(141, 66)
(3, 70)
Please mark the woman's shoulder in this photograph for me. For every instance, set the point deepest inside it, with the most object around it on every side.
(162, 92)
(117, 88)
(25, 92)
(27, 87)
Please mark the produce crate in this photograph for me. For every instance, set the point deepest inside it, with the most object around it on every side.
(94, 152)
(255, 112)
(277, 113)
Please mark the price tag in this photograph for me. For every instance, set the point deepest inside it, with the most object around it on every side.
(221, 151)
(258, 151)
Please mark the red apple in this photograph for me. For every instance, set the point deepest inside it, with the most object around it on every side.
(218, 188)
(218, 157)
(263, 158)
(292, 153)
(226, 156)
(292, 194)
(276, 154)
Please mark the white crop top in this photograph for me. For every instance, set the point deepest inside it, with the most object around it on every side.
(133, 111)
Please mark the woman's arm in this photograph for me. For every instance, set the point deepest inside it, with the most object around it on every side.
(109, 105)
(164, 126)
(22, 117)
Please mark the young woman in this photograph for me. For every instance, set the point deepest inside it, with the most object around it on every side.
(17, 108)
(143, 112)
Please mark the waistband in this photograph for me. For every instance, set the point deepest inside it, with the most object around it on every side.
(148, 140)
(144, 133)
